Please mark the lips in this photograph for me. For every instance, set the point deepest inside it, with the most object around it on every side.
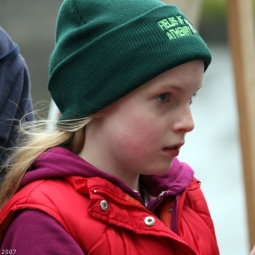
(173, 150)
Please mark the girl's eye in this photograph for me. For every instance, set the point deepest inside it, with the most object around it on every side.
(164, 98)
(190, 101)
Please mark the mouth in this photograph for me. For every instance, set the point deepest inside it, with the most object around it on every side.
(174, 147)
(173, 150)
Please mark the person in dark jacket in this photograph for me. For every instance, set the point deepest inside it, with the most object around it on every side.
(15, 97)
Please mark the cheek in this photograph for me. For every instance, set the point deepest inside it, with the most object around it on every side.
(136, 134)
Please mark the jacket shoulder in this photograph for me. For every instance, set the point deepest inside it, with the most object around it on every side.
(61, 201)
(196, 201)
(195, 218)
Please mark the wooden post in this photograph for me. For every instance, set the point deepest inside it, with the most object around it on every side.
(192, 9)
(242, 43)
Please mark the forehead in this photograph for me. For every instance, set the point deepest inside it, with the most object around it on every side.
(186, 76)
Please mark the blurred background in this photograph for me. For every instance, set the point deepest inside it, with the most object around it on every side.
(212, 149)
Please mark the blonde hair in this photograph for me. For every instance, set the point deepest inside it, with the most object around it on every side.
(34, 140)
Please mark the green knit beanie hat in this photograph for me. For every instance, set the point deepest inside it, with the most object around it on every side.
(107, 48)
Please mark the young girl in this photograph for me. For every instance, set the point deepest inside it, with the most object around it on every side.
(107, 180)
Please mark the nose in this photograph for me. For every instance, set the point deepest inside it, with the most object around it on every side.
(184, 121)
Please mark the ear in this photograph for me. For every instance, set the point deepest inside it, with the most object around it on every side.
(104, 112)
(99, 114)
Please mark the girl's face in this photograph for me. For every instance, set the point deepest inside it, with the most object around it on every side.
(142, 132)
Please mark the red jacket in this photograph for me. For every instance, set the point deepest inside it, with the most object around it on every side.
(105, 220)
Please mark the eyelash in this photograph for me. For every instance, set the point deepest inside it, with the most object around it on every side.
(167, 98)
(190, 101)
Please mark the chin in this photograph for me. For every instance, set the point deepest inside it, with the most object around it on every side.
(158, 170)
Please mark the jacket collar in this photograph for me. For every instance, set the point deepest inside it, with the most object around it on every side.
(59, 162)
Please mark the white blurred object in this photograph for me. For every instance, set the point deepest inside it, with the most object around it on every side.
(52, 116)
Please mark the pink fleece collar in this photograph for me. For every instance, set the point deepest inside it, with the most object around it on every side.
(59, 162)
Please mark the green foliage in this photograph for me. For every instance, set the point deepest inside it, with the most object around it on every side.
(216, 9)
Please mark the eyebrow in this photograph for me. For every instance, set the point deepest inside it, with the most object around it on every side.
(176, 88)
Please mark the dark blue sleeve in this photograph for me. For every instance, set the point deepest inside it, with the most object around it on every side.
(35, 232)
(15, 96)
